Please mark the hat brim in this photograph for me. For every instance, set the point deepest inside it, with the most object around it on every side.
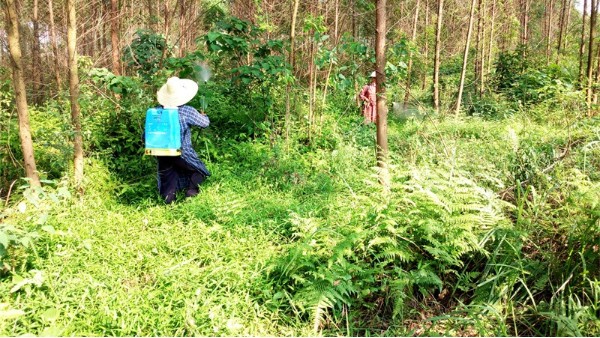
(181, 97)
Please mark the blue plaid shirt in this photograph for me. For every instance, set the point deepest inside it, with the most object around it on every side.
(188, 117)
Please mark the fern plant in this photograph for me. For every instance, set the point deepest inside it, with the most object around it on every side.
(415, 238)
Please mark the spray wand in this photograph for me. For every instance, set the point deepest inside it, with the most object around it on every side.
(203, 104)
(203, 74)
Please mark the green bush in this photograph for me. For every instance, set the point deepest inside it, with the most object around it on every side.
(414, 240)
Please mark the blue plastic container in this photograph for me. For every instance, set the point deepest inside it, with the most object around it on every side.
(162, 132)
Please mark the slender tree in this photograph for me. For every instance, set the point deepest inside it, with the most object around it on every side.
(436, 61)
(413, 37)
(114, 36)
(293, 35)
(561, 29)
(567, 20)
(525, 7)
(426, 44)
(465, 58)
(312, 68)
(183, 8)
(54, 44)
(353, 15)
(582, 41)
(597, 72)
(382, 144)
(74, 95)
(549, 27)
(12, 28)
(336, 31)
(492, 31)
(292, 58)
(152, 17)
(35, 57)
(590, 61)
(480, 48)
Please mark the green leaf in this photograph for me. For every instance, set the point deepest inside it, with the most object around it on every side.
(4, 239)
(49, 229)
(213, 36)
(50, 315)
(52, 331)
(8, 313)
(43, 219)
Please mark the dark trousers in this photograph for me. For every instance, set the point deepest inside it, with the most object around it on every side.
(170, 170)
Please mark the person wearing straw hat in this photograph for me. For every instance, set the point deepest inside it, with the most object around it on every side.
(186, 171)
(369, 98)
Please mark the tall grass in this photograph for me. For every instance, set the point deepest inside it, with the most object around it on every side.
(491, 228)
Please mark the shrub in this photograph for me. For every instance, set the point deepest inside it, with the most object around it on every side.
(387, 248)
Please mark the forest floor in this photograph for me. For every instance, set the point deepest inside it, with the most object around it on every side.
(111, 266)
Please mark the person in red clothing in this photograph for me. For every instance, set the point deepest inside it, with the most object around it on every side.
(369, 98)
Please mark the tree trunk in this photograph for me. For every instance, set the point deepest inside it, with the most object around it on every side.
(74, 96)
(292, 58)
(312, 92)
(480, 48)
(153, 18)
(353, 9)
(94, 28)
(426, 47)
(413, 38)
(491, 45)
(181, 24)
(436, 61)
(12, 29)
(590, 61)
(35, 59)
(582, 41)
(293, 36)
(465, 58)
(597, 72)
(549, 27)
(525, 22)
(561, 29)
(336, 32)
(382, 145)
(567, 20)
(114, 36)
(54, 47)
(167, 28)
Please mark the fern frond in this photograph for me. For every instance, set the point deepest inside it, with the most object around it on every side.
(395, 253)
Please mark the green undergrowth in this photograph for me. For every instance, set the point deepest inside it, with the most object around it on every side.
(490, 228)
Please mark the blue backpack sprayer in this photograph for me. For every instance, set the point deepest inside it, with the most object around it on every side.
(162, 130)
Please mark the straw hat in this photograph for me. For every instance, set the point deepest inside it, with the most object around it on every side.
(176, 92)
(374, 74)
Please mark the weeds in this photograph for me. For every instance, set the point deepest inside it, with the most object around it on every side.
(488, 230)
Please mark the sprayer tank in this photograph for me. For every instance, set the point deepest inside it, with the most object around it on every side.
(162, 132)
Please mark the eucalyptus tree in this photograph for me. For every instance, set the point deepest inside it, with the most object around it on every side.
(465, 58)
(413, 38)
(492, 36)
(582, 40)
(114, 37)
(590, 59)
(74, 94)
(525, 9)
(36, 75)
(436, 61)
(382, 145)
(480, 49)
(12, 29)
(54, 44)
